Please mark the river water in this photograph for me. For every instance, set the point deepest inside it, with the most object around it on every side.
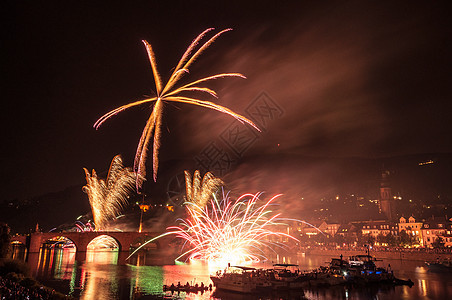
(101, 278)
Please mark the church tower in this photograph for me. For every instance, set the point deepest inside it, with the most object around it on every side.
(387, 203)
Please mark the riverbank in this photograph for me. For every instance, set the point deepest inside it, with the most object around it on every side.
(15, 283)
(383, 254)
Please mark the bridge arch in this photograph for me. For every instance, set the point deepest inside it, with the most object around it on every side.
(58, 239)
(81, 240)
(19, 239)
(104, 241)
(18, 248)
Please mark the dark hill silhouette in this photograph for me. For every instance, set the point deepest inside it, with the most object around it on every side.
(303, 181)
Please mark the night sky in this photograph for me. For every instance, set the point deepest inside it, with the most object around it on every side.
(351, 79)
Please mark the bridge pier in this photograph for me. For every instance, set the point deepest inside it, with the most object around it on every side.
(122, 257)
(35, 242)
(80, 256)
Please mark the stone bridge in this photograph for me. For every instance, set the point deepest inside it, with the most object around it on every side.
(81, 240)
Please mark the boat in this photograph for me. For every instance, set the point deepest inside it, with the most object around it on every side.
(187, 288)
(439, 266)
(365, 261)
(361, 269)
(242, 279)
(286, 276)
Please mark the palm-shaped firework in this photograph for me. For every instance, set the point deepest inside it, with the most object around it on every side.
(108, 197)
(199, 191)
(166, 93)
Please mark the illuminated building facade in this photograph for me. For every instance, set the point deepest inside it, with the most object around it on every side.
(434, 229)
(375, 228)
(412, 228)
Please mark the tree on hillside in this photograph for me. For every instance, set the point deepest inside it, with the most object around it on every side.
(381, 238)
(339, 239)
(369, 239)
(5, 240)
(438, 243)
(391, 240)
(405, 239)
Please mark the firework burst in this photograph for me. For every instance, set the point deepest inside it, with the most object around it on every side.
(235, 232)
(108, 197)
(199, 191)
(168, 93)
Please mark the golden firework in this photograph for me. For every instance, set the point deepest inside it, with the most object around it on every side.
(108, 197)
(200, 191)
(167, 93)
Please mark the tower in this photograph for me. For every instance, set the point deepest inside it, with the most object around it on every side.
(387, 204)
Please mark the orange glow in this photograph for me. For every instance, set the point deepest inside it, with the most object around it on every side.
(228, 231)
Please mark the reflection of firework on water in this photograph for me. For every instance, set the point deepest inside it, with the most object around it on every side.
(229, 231)
(200, 191)
(108, 197)
(168, 93)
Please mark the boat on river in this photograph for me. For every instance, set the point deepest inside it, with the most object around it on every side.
(242, 279)
(439, 266)
(357, 270)
(286, 277)
(361, 269)
(187, 288)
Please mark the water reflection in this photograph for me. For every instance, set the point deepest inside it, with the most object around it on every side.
(104, 256)
(18, 251)
(54, 262)
(101, 278)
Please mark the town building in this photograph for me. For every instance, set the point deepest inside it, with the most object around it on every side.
(329, 228)
(387, 204)
(380, 227)
(436, 229)
(412, 228)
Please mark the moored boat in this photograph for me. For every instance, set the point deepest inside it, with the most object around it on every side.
(286, 276)
(242, 280)
(439, 266)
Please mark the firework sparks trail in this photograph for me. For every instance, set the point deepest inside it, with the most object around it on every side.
(80, 227)
(167, 93)
(200, 191)
(230, 232)
(108, 197)
(102, 242)
(234, 232)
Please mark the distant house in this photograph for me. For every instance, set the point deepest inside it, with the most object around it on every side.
(412, 228)
(375, 228)
(348, 231)
(308, 229)
(329, 228)
(434, 228)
